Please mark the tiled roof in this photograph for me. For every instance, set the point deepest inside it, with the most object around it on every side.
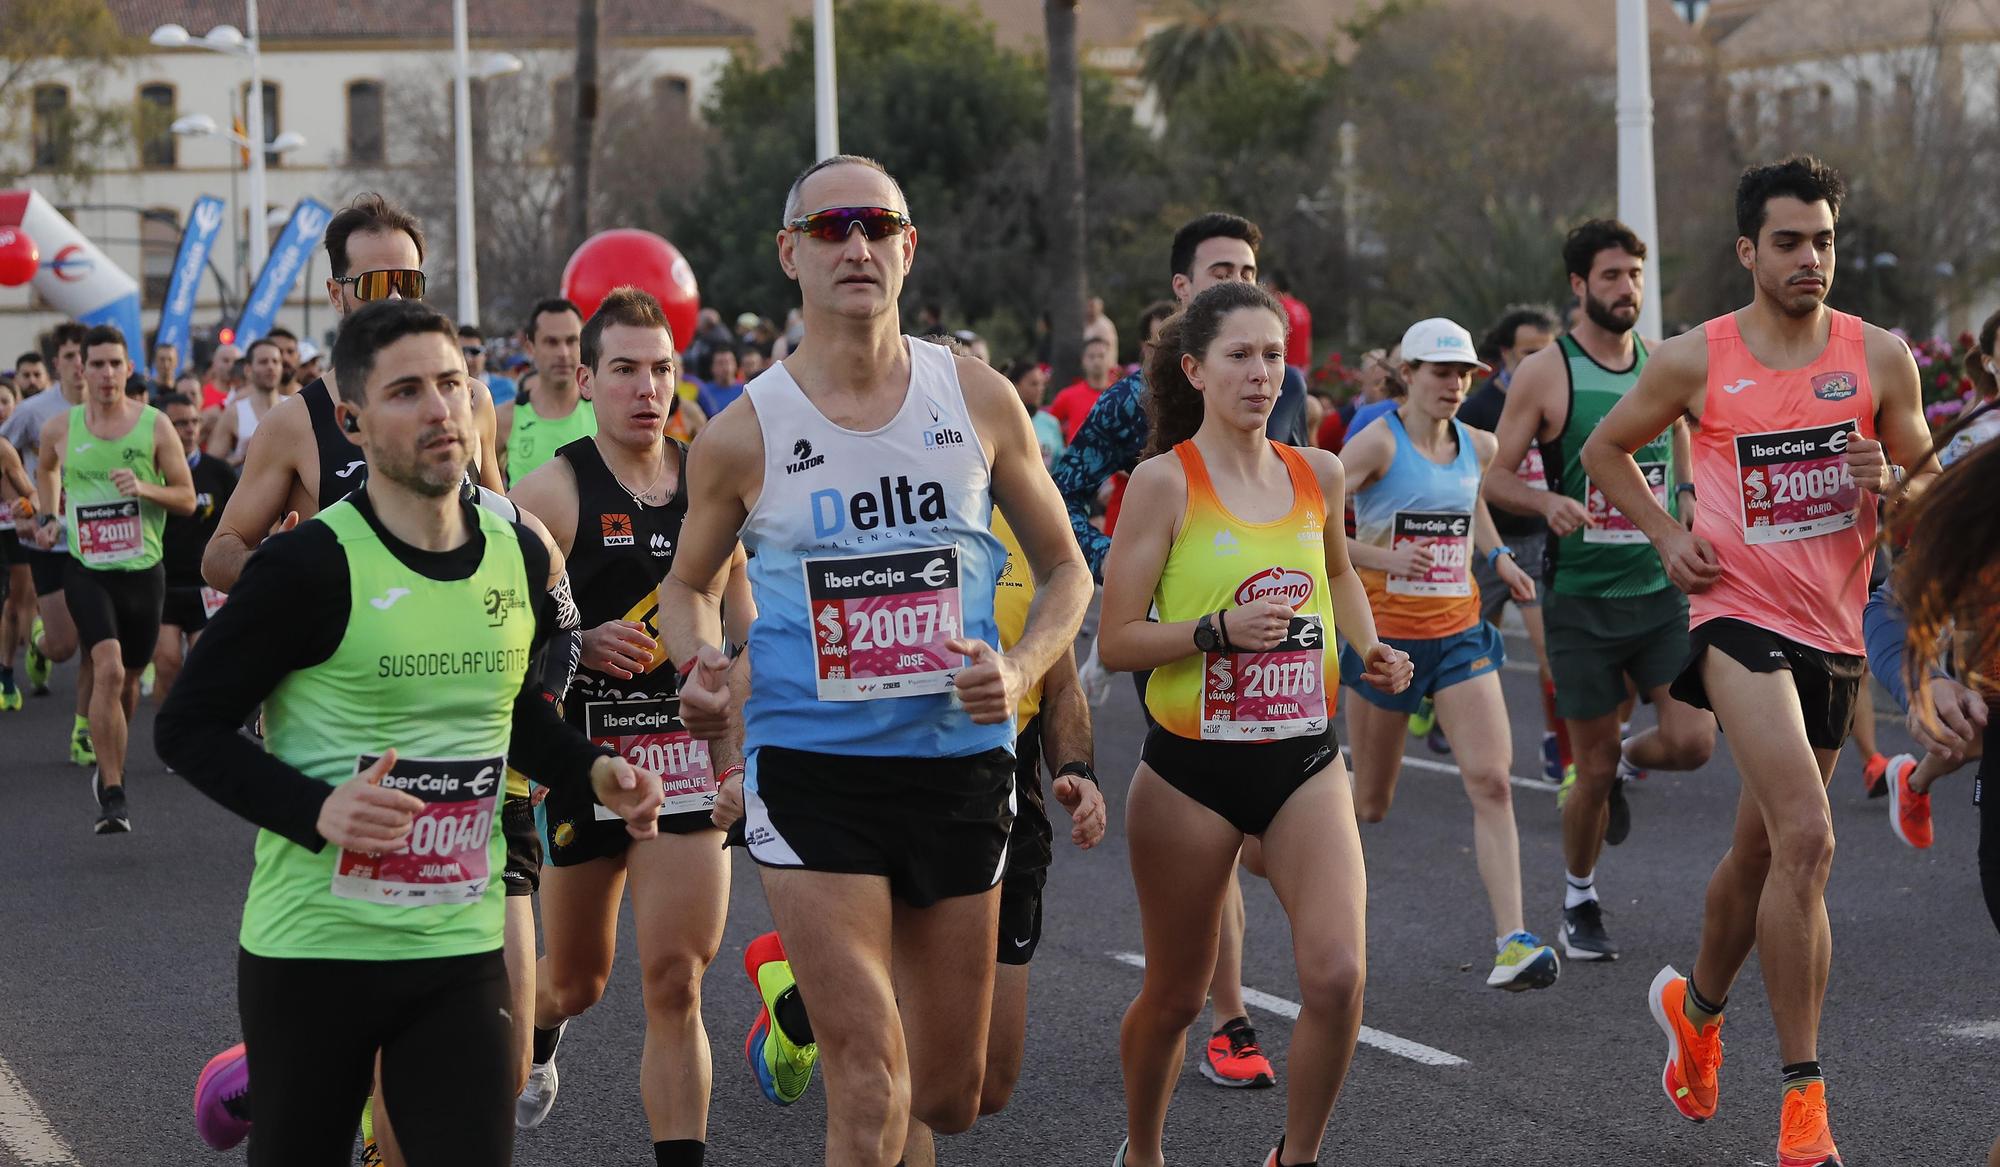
(426, 19)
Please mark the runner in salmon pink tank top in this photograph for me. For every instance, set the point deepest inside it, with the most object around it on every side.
(1772, 491)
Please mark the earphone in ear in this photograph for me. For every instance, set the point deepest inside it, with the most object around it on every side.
(353, 426)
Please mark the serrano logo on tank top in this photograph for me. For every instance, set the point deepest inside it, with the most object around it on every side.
(803, 458)
(1292, 586)
(893, 504)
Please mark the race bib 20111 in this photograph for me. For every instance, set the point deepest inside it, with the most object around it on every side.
(107, 532)
(880, 622)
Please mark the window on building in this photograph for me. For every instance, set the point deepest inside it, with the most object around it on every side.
(158, 149)
(365, 130)
(159, 240)
(53, 129)
(673, 98)
(1864, 110)
(271, 126)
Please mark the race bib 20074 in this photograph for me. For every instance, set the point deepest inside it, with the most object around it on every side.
(1263, 696)
(880, 622)
(445, 858)
(648, 733)
(1609, 524)
(107, 532)
(1449, 535)
(1795, 483)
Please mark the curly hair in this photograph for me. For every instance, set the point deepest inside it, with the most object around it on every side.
(1948, 580)
(1173, 404)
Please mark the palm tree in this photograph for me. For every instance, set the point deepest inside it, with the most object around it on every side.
(1209, 40)
(1067, 279)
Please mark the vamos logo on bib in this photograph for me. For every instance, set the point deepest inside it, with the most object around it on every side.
(1278, 583)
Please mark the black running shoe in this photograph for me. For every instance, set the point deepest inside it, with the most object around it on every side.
(112, 817)
(1583, 934)
(1620, 825)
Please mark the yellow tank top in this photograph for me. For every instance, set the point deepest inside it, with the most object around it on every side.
(1012, 594)
(1220, 561)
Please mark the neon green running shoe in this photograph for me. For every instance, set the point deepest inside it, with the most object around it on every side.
(10, 695)
(1568, 784)
(1424, 720)
(147, 680)
(82, 750)
(783, 1068)
(1524, 962)
(38, 665)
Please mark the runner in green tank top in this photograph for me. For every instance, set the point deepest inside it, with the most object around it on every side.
(551, 413)
(375, 918)
(1612, 617)
(111, 468)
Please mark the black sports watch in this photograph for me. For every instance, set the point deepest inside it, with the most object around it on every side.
(1081, 770)
(1206, 638)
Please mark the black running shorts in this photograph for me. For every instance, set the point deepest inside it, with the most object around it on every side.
(523, 873)
(117, 605)
(572, 833)
(1827, 682)
(1246, 783)
(933, 827)
(50, 568)
(184, 610)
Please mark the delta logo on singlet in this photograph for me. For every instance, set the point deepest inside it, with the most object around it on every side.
(940, 435)
(896, 502)
(1292, 586)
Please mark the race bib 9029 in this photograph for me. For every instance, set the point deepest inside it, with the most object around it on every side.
(1795, 484)
(1449, 535)
(880, 622)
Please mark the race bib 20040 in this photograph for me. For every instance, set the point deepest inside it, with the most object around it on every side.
(445, 858)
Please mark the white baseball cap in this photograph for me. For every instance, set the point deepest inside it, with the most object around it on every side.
(308, 352)
(1442, 341)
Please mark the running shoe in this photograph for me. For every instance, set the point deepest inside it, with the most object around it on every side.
(1424, 720)
(1568, 784)
(1694, 1058)
(1619, 825)
(10, 695)
(1627, 772)
(1436, 740)
(112, 817)
(1524, 963)
(147, 680)
(222, 1099)
(1803, 1140)
(1909, 812)
(1583, 934)
(783, 1067)
(1118, 1160)
(1552, 763)
(82, 751)
(1875, 774)
(1235, 1060)
(538, 1097)
(38, 665)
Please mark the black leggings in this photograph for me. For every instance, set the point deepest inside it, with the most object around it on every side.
(311, 1030)
(1988, 802)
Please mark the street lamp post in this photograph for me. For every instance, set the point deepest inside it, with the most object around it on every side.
(227, 39)
(200, 125)
(491, 65)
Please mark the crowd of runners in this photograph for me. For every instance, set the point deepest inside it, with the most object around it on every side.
(464, 666)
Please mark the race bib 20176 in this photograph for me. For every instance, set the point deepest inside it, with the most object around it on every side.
(1264, 696)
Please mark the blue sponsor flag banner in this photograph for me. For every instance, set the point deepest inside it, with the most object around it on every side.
(281, 269)
(204, 223)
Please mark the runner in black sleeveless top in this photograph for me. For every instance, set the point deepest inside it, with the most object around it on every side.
(341, 466)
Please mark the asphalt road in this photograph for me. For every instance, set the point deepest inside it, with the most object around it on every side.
(119, 962)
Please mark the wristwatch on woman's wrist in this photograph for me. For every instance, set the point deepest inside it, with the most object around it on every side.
(1206, 638)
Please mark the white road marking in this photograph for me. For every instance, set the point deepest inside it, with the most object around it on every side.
(1447, 768)
(1975, 1030)
(1402, 1047)
(25, 1132)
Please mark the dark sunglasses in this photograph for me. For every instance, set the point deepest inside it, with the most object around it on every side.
(473, 350)
(406, 282)
(835, 224)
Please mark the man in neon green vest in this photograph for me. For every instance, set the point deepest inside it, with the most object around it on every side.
(390, 717)
(111, 468)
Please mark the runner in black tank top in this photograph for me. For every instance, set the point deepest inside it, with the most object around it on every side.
(341, 466)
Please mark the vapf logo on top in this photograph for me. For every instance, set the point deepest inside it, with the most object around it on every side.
(1290, 585)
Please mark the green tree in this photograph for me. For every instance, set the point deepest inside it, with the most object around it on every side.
(1210, 41)
(72, 43)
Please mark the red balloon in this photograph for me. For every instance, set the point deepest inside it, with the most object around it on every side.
(20, 259)
(627, 255)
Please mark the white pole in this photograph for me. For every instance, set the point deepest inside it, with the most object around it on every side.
(260, 232)
(1636, 205)
(468, 266)
(826, 119)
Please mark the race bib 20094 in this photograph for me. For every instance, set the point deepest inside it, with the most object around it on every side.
(1449, 534)
(648, 733)
(1609, 524)
(1264, 696)
(880, 622)
(107, 532)
(1795, 484)
(445, 858)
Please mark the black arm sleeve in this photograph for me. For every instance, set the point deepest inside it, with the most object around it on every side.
(247, 649)
(543, 746)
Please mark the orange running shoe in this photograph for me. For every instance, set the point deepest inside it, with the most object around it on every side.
(1875, 775)
(1909, 812)
(1803, 1140)
(1693, 1058)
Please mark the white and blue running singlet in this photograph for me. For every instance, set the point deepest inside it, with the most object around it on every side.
(868, 552)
